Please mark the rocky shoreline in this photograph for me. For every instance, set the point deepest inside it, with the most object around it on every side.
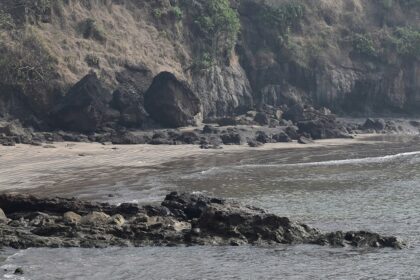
(181, 219)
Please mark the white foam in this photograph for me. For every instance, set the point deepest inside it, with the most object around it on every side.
(339, 162)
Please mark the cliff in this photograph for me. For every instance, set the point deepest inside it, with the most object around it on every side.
(353, 56)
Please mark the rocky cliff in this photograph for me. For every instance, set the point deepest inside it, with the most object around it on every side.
(199, 59)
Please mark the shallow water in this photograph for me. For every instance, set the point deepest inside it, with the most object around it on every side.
(368, 186)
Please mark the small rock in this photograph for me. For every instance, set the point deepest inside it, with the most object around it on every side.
(49, 146)
(95, 218)
(304, 140)
(72, 218)
(18, 271)
(117, 220)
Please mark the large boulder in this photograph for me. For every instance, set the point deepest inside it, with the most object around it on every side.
(86, 108)
(128, 98)
(171, 102)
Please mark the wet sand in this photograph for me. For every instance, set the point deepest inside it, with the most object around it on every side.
(78, 166)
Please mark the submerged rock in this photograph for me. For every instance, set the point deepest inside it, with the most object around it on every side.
(181, 219)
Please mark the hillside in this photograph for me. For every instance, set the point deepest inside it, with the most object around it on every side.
(353, 56)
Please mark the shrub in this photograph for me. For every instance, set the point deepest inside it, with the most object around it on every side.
(218, 25)
(364, 45)
(176, 12)
(407, 41)
(90, 29)
(92, 60)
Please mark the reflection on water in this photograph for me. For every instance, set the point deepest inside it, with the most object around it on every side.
(373, 186)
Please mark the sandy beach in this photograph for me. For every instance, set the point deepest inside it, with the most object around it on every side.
(83, 165)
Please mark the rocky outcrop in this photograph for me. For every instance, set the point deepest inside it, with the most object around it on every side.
(128, 98)
(171, 102)
(190, 219)
(86, 108)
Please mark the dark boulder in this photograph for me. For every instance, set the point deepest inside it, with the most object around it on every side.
(254, 143)
(375, 124)
(227, 121)
(262, 137)
(128, 98)
(171, 102)
(323, 127)
(232, 138)
(281, 137)
(86, 108)
(262, 118)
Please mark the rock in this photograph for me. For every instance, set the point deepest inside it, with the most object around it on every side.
(376, 124)
(128, 98)
(261, 118)
(117, 220)
(181, 219)
(281, 137)
(171, 102)
(228, 121)
(305, 140)
(72, 218)
(18, 271)
(95, 218)
(294, 113)
(208, 129)
(254, 143)
(262, 137)
(3, 217)
(292, 132)
(232, 138)
(323, 128)
(86, 108)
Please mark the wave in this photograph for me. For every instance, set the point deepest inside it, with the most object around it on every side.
(366, 160)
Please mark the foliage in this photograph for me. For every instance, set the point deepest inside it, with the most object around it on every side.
(364, 45)
(90, 29)
(92, 60)
(276, 22)
(281, 18)
(176, 12)
(205, 61)
(407, 41)
(218, 26)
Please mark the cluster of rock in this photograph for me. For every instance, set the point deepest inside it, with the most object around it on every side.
(149, 110)
(181, 219)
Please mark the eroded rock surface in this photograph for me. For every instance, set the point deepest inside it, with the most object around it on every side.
(181, 219)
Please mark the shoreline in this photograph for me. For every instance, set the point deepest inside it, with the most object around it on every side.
(79, 165)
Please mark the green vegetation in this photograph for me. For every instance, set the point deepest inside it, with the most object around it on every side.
(91, 30)
(205, 61)
(176, 12)
(276, 22)
(407, 41)
(216, 26)
(364, 45)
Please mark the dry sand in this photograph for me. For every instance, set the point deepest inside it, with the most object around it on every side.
(82, 166)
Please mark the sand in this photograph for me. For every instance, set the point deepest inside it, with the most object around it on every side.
(83, 166)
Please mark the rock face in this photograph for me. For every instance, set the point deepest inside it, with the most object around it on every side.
(128, 98)
(189, 219)
(85, 108)
(171, 102)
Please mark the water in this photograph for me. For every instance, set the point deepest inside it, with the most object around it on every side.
(368, 186)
